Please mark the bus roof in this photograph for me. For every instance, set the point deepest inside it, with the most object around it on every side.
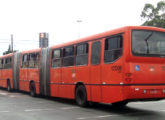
(93, 37)
(106, 34)
(31, 51)
(7, 55)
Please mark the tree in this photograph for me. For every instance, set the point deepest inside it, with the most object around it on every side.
(155, 16)
(8, 51)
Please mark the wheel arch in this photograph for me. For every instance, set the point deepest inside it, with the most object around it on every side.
(8, 80)
(30, 82)
(78, 84)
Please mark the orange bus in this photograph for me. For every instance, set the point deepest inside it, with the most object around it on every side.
(6, 71)
(117, 66)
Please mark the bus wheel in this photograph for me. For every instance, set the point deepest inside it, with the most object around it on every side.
(32, 89)
(120, 104)
(8, 86)
(81, 96)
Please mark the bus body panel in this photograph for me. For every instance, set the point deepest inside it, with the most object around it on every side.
(55, 81)
(6, 71)
(135, 92)
(112, 79)
(23, 79)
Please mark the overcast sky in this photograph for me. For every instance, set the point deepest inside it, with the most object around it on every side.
(26, 18)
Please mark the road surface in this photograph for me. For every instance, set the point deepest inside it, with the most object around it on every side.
(19, 106)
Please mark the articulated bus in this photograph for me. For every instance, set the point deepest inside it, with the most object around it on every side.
(117, 66)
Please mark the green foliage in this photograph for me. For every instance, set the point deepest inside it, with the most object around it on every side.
(8, 51)
(155, 16)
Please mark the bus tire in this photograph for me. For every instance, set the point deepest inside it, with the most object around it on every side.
(81, 96)
(32, 89)
(8, 86)
(120, 104)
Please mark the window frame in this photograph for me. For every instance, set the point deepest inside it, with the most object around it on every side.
(141, 54)
(109, 37)
(35, 61)
(23, 60)
(68, 56)
(98, 41)
(82, 54)
(7, 64)
(59, 58)
(2, 63)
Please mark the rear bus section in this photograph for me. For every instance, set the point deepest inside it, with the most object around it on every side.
(6, 79)
(145, 64)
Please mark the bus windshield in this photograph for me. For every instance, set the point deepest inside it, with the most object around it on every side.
(148, 43)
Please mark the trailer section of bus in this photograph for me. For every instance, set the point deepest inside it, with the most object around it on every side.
(6, 70)
(29, 67)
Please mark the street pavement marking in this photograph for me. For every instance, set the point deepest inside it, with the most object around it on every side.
(3, 94)
(154, 102)
(47, 109)
(11, 96)
(4, 111)
(31, 110)
(95, 117)
(67, 108)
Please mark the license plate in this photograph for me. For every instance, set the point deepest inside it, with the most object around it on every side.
(153, 91)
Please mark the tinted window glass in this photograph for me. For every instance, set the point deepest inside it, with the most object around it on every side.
(82, 49)
(7, 63)
(148, 43)
(56, 53)
(69, 51)
(68, 59)
(1, 63)
(82, 54)
(96, 52)
(25, 62)
(56, 58)
(113, 48)
(34, 60)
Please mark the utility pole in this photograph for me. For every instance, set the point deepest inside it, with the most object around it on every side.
(79, 21)
(11, 42)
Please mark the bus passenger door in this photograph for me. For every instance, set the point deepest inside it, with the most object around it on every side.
(55, 72)
(67, 72)
(82, 72)
(23, 72)
(95, 72)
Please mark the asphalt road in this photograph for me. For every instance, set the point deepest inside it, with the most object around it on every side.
(19, 106)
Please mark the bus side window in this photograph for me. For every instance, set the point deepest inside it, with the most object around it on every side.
(7, 63)
(68, 53)
(56, 58)
(1, 63)
(113, 48)
(96, 53)
(25, 62)
(82, 54)
(33, 60)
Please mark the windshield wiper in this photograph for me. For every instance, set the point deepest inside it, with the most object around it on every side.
(146, 40)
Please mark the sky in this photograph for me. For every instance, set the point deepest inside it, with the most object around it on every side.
(25, 19)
